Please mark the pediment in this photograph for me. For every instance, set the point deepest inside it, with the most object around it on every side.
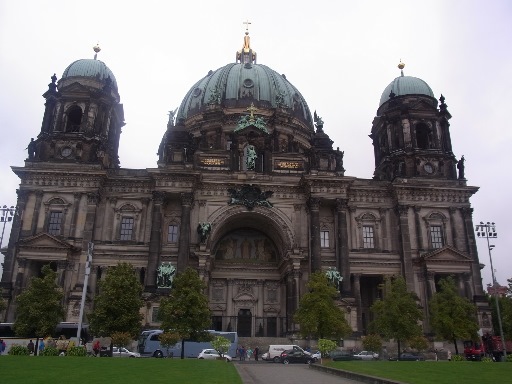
(45, 241)
(245, 297)
(74, 87)
(421, 105)
(446, 254)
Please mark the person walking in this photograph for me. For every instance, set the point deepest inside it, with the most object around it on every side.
(249, 353)
(40, 347)
(256, 353)
(30, 347)
(2, 346)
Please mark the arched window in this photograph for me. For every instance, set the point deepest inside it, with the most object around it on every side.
(55, 213)
(422, 136)
(368, 225)
(436, 230)
(74, 119)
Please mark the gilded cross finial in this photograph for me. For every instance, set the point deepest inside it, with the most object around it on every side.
(247, 26)
(251, 110)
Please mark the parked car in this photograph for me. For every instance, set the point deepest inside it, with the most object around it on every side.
(295, 356)
(123, 352)
(408, 357)
(366, 355)
(316, 355)
(212, 354)
(341, 355)
(264, 356)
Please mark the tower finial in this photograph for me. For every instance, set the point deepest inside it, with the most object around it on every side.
(96, 49)
(246, 55)
(401, 67)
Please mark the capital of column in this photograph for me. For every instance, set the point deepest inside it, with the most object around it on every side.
(402, 210)
(187, 198)
(158, 197)
(93, 198)
(341, 204)
(314, 203)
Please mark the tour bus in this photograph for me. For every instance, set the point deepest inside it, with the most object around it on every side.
(149, 344)
(66, 329)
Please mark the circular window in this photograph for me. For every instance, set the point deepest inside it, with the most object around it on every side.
(248, 83)
(429, 168)
(65, 152)
(196, 92)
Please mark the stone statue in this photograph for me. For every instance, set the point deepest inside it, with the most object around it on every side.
(204, 229)
(460, 167)
(339, 159)
(31, 149)
(251, 157)
(165, 275)
(334, 277)
(172, 115)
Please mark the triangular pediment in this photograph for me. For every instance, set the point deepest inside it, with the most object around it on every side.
(45, 241)
(244, 297)
(74, 87)
(446, 254)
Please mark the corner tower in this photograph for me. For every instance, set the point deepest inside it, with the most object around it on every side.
(83, 117)
(411, 136)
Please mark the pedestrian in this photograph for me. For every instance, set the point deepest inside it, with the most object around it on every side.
(435, 352)
(449, 355)
(249, 353)
(243, 353)
(30, 347)
(41, 347)
(256, 353)
(2, 346)
(96, 348)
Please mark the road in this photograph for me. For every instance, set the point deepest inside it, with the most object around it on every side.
(271, 373)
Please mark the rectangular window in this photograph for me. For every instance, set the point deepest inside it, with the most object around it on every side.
(126, 228)
(217, 323)
(172, 234)
(436, 236)
(55, 222)
(324, 239)
(368, 237)
(154, 315)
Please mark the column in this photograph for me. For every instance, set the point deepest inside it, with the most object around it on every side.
(385, 245)
(469, 234)
(74, 214)
(343, 257)
(143, 219)
(155, 240)
(37, 209)
(357, 295)
(405, 251)
(314, 208)
(453, 226)
(109, 219)
(184, 241)
(417, 224)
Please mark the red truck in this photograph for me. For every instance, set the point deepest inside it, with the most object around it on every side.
(490, 346)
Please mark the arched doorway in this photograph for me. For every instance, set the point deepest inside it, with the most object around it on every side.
(244, 323)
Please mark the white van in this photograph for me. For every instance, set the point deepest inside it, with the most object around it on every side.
(274, 351)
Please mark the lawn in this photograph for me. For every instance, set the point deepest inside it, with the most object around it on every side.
(87, 370)
(427, 372)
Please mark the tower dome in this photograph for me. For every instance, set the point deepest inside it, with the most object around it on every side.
(405, 85)
(238, 85)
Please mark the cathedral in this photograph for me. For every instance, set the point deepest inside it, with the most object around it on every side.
(249, 191)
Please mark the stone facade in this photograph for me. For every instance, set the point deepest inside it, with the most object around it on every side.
(271, 188)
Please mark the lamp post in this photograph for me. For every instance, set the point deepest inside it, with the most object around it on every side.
(487, 231)
(88, 263)
(7, 215)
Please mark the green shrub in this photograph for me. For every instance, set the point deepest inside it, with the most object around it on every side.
(458, 358)
(509, 358)
(487, 360)
(76, 351)
(18, 350)
(49, 351)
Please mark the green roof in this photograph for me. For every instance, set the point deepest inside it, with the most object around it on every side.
(406, 85)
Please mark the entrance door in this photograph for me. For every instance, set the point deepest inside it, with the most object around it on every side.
(244, 323)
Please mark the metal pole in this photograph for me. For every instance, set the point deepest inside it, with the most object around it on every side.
(88, 262)
(494, 235)
(6, 218)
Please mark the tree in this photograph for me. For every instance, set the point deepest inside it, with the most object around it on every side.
(372, 342)
(3, 305)
(168, 339)
(318, 315)
(117, 306)
(221, 344)
(397, 315)
(452, 317)
(39, 307)
(185, 311)
(505, 304)
(325, 346)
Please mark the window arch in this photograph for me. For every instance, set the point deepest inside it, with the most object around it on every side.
(368, 228)
(436, 230)
(55, 211)
(422, 136)
(74, 119)
(127, 222)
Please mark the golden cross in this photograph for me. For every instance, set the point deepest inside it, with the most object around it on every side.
(247, 24)
(252, 109)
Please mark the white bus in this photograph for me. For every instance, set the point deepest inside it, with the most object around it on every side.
(149, 344)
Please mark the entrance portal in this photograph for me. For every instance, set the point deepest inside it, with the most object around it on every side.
(244, 323)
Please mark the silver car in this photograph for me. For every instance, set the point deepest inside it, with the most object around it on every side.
(366, 355)
(212, 354)
(123, 352)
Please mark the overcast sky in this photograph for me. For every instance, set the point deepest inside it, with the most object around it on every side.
(339, 54)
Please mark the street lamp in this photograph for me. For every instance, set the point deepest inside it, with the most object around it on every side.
(7, 215)
(487, 231)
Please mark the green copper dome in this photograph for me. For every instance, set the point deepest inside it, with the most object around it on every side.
(237, 85)
(406, 85)
(89, 68)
